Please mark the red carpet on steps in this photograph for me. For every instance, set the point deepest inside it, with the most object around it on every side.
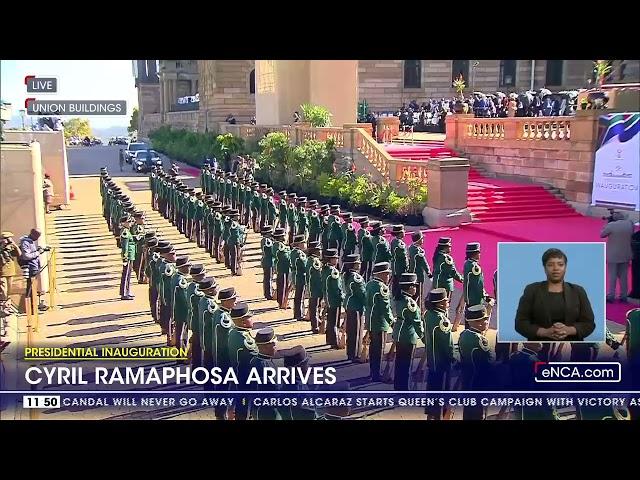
(489, 199)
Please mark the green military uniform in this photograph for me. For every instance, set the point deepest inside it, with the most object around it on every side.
(198, 220)
(315, 225)
(228, 191)
(226, 230)
(378, 320)
(349, 239)
(271, 211)
(418, 265)
(195, 325)
(325, 233)
(128, 247)
(283, 268)
(242, 350)
(166, 310)
(367, 253)
(334, 296)
(316, 289)
(299, 275)
(292, 220)
(267, 263)
(248, 197)
(336, 234)
(473, 284)
(222, 186)
(260, 362)
(218, 228)
(438, 341)
(476, 358)
(179, 304)
(234, 194)
(152, 274)
(282, 207)
(407, 330)
(235, 241)
(207, 309)
(302, 228)
(354, 303)
(521, 366)
(382, 250)
(399, 264)
(444, 272)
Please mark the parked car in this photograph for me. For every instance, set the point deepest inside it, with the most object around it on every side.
(145, 160)
(132, 148)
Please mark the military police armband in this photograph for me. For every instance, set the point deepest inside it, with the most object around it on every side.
(412, 305)
(445, 325)
(484, 343)
(384, 291)
(448, 259)
(334, 272)
(476, 270)
(169, 270)
(357, 278)
(183, 283)
(317, 264)
(155, 256)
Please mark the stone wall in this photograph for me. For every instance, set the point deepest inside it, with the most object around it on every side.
(182, 120)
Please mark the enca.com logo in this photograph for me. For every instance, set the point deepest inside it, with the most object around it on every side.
(586, 372)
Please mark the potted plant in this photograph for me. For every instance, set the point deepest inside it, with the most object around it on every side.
(315, 115)
(598, 99)
(459, 85)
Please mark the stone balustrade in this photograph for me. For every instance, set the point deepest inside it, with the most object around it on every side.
(557, 151)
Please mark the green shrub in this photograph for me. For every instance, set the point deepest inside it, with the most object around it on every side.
(317, 115)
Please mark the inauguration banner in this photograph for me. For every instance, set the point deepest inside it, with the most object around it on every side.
(617, 164)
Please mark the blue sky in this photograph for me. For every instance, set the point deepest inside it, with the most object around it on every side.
(77, 80)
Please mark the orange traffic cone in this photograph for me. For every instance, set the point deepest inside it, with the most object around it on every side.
(71, 194)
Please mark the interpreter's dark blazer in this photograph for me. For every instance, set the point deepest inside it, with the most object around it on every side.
(533, 311)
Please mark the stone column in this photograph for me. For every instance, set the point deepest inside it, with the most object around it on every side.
(447, 198)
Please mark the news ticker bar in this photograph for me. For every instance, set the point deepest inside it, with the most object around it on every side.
(322, 399)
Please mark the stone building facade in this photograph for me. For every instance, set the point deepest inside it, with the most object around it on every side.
(228, 86)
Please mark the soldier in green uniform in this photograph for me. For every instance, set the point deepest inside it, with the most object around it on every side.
(222, 183)
(234, 191)
(444, 268)
(334, 295)
(236, 240)
(354, 303)
(246, 204)
(283, 269)
(336, 235)
(302, 227)
(151, 273)
(266, 342)
(313, 221)
(476, 358)
(298, 261)
(207, 312)
(167, 271)
(222, 325)
(128, 245)
(153, 175)
(179, 269)
(438, 342)
(196, 275)
(241, 195)
(207, 224)
(418, 264)
(242, 349)
(399, 260)
(324, 226)
(282, 209)
(292, 216)
(407, 330)
(145, 258)
(195, 315)
(138, 231)
(378, 317)
(199, 218)
(256, 207)
(382, 252)
(366, 249)
(349, 239)
(191, 215)
(314, 276)
(226, 230)
(262, 205)
(473, 292)
(179, 301)
(218, 230)
(271, 209)
(268, 254)
(228, 190)
(521, 365)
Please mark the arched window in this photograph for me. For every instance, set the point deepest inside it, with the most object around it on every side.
(252, 81)
(412, 73)
(460, 67)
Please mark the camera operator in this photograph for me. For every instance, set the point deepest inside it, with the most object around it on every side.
(30, 260)
(618, 232)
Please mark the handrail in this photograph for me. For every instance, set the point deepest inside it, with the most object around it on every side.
(53, 281)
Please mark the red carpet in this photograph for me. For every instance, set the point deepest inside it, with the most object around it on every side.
(493, 200)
